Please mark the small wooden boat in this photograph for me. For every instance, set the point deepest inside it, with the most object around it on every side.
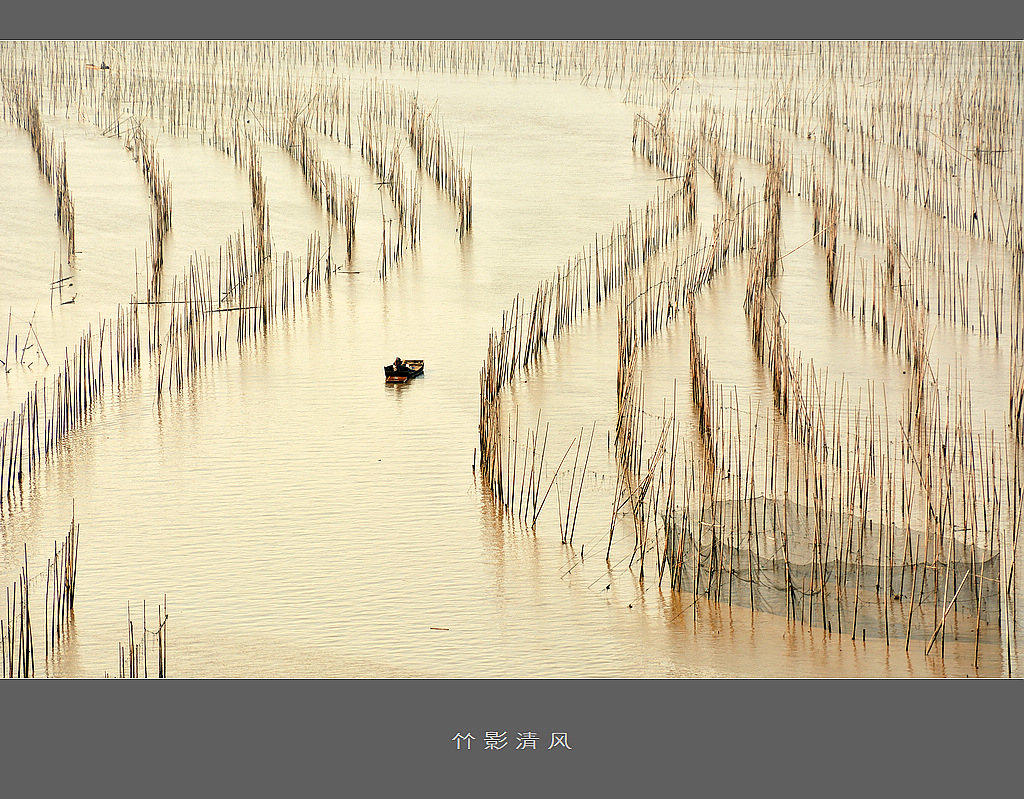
(402, 370)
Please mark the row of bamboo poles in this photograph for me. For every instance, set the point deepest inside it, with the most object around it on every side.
(529, 324)
(435, 151)
(288, 123)
(916, 289)
(250, 289)
(21, 106)
(17, 647)
(17, 655)
(725, 535)
(47, 416)
(525, 328)
(437, 154)
(852, 531)
(653, 303)
(338, 195)
(650, 300)
(634, 66)
(60, 591)
(1017, 339)
(657, 295)
(959, 290)
(58, 405)
(382, 150)
(922, 413)
(143, 150)
(784, 107)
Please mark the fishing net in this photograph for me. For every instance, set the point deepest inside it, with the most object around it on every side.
(838, 571)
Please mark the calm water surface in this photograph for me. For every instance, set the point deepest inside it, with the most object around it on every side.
(301, 517)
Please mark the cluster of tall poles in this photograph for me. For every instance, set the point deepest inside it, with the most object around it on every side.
(133, 656)
(17, 648)
(1017, 340)
(17, 655)
(61, 574)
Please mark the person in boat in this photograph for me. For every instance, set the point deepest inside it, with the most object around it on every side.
(399, 365)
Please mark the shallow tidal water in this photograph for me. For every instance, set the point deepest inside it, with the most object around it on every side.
(299, 517)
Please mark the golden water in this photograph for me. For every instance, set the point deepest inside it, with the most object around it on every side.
(301, 517)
